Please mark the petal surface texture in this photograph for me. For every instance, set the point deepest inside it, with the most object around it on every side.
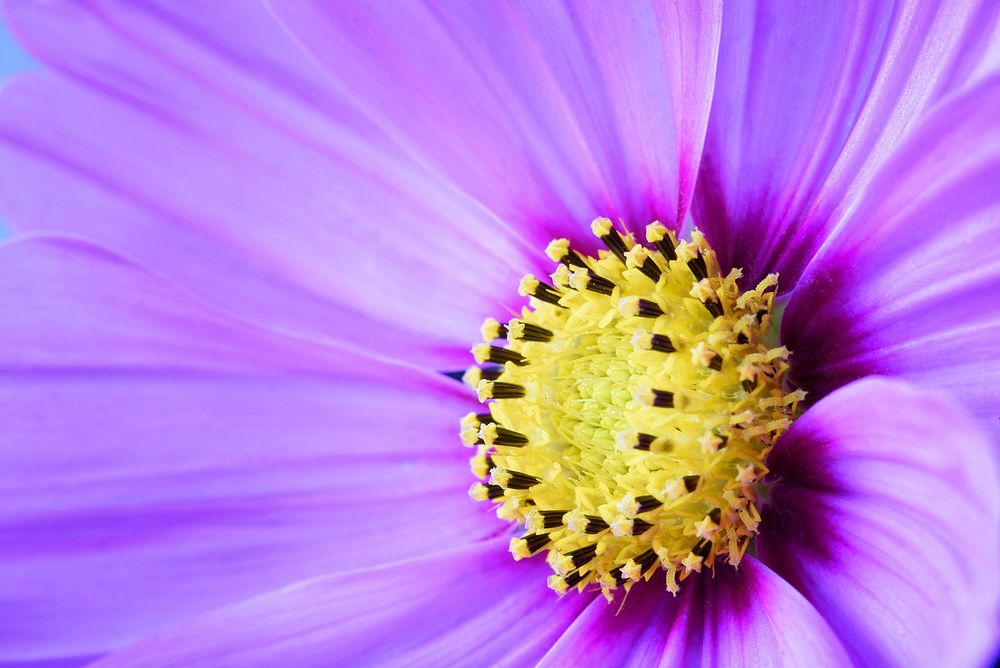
(393, 203)
(203, 142)
(541, 111)
(885, 513)
(810, 99)
(749, 617)
(910, 285)
(158, 459)
(466, 608)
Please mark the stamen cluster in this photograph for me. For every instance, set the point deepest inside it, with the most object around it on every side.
(631, 406)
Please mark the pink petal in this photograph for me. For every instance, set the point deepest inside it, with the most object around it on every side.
(472, 607)
(749, 617)
(158, 459)
(204, 143)
(547, 114)
(884, 510)
(810, 99)
(909, 287)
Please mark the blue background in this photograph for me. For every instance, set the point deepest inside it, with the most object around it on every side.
(12, 59)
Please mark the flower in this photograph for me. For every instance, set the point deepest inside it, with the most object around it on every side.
(248, 237)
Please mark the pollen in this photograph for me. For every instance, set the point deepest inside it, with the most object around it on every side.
(630, 407)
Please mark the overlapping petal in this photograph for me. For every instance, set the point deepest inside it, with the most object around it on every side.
(158, 459)
(810, 99)
(549, 114)
(471, 607)
(167, 137)
(203, 142)
(910, 286)
(749, 617)
(884, 511)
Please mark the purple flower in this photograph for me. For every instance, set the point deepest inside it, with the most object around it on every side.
(248, 239)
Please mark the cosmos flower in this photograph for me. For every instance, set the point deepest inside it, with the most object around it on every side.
(249, 239)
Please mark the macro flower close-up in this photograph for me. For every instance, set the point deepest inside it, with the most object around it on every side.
(600, 333)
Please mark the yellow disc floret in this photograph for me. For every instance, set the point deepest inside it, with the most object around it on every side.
(631, 409)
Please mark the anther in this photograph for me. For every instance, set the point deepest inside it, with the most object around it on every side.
(603, 228)
(702, 548)
(595, 524)
(698, 267)
(481, 492)
(706, 528)
(584, 279)
(658, 235)
(511, 479)
(551, 518)
(488, 389)
(640, 526)
(691, 482)
(492, 329)
(539, 290)
(644, 441)
(703, 355)
(644, 340)
(525, 546)
(473, 375)
(573, 579)
(526, 331)
(493, 435)
(647, 502)
(714, 307)
(652, 397)
(582, 556)
(636, 306)
(639, 258)
(559, 251)
(483, 352)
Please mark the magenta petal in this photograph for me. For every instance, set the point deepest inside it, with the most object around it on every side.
(158, 459)
(885, 512)
(548, 114)
(910, 285)
(202, 142)
(809, 100)
(749, 617)
(471, 607)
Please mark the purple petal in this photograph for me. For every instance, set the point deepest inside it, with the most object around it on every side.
(158, 459)
(202, 142)
(749, 617)
(885, 512)
(809, 100)
(547, 114)
(909, 287)
(472, 607)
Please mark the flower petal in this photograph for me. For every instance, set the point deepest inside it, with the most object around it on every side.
(748, 617)
(909, 287)
(471, 607)
(158, 459)
(202, 142)
(809, 100)
(885, 513)
(548, 114)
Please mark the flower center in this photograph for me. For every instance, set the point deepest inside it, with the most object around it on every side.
(630, 411)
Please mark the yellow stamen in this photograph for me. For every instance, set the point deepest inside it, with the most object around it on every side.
(631, 411)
